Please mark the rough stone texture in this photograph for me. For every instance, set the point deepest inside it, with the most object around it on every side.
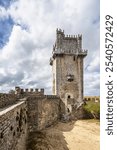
(43, 111)
(78, 114)
(13, 123)
(67, 66)
(32, 107)
(33, 114)
(28, 92)
(92, 98)
(7, 99)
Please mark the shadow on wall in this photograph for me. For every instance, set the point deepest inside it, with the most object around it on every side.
(51, 138)
(43, 111)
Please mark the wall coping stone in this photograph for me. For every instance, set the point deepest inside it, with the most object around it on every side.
(2, 112)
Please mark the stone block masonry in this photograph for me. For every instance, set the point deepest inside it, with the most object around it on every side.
(28, 92)
(67, 67)
(43, 111)
(92, 98)
(13, 127)
(33, 113)
(7, 99)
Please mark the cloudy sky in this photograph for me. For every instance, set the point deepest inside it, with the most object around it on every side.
(27, 35)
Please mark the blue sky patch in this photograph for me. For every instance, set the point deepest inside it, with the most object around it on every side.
(6, 3)
(6, 26)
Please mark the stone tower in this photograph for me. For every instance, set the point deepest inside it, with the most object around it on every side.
(67, 66)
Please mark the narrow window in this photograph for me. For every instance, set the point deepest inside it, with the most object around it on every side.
(11, 128)
(68, 110)
(69, 96)
(14, 133)
(1, 136)
(74, 58)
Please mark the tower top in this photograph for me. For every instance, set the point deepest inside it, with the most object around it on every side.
(61, 32)
(68, 44)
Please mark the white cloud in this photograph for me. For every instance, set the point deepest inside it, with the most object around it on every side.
(92, 83)
(3, 13)
(26, 56)
(94, 62)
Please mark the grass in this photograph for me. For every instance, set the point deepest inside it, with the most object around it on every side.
(93, 109)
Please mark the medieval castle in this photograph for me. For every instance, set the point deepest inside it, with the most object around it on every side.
(24, 110)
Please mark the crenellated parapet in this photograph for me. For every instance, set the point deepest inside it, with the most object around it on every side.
(67, 44)
(60, 33)
(83, 52)
(36, 91)
(92, 98)
(12, 98)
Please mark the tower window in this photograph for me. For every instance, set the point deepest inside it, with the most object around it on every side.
(1, 136)
(68, 110)
(69, 96)
(74, 58)
(70, 77)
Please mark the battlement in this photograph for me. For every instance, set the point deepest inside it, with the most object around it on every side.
(10, 99)
(61, 32)
(83, 52)
(36, 91)
(67, 44)
(92, 98)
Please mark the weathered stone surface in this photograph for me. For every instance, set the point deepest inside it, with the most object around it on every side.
(7, 99)
(33, 114)
(67, 67)
(44, 111)
(13, 123)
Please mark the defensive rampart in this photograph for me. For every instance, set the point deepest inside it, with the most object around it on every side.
(13, 126)
(7, 99)
(43, 111)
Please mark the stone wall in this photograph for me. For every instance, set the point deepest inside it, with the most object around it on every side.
(28, 92)
(13, 127)
(7, 99)
(92, 98)
(68, 43)
(43, 111)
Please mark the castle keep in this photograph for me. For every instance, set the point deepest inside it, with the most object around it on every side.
(24, 111)
(67, 67)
